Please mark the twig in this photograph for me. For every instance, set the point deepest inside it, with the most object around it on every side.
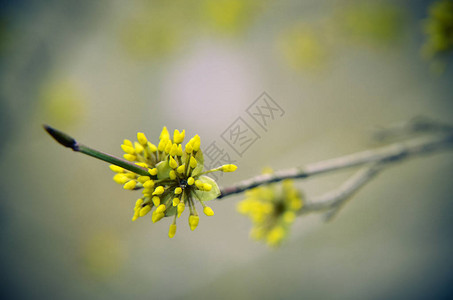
(334, 200)
(70, 142)
(388, 154)
(414, 126)
(391, 153)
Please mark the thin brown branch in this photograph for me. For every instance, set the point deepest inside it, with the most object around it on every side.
(388, 154)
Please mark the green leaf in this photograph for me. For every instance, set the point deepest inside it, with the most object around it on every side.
(171, 211)
(205, 195)
(163, 170)
(200, 161)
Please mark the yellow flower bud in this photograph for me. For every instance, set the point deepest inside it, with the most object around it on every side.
(168, 146)
(139, 202)
(152, 147)
(178, 190)
(127, 142)
(172, 231)
(130, 185)
(147, 192)
(228, 168)
(179, 152)
(174, 150)
(173, 164)
(141, 137)
(157, 216)
(145, 209)
(120, 178)
(128, 149)
(172, 175)
(196, 143)
(130, 175)
(164, 134)
(161, 145)
(136, 215)
(153, 171)
(193, 221)
(148, 184)
(181, 169)
(138, 148)
(116, 169)
(156, 201)
(179, 137)
(161, 208)
(199, 184)
(143, 179)
(175, 201)
(130, 157)
(207, 187)
(193, 162)
(208, 211)
(142, 164)
(189, 147)
(181, 207)
(159, 190)
(275, 236)
(190, 181)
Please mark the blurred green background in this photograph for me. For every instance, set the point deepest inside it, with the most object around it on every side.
(103, 70)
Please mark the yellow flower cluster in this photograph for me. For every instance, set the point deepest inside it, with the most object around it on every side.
(303, 47)
(272, 211)
(439, 28)
(175, 177)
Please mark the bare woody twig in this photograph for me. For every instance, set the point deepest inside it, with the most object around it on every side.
(388, 154)
(334, 200)
(414, 126)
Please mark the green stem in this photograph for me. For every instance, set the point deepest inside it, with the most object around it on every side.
(70, 142)
(113, 160)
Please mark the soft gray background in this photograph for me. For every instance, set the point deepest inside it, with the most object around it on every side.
(65, 228)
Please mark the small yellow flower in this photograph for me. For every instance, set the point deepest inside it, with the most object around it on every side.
(208, 211)
(138, 148)
(141, 137)
(129, 157)
(181, 169)
(179, 137)
(130, 185)
(146, 209)
(272, 211)
(156, 201)
(172, 231)
(181, 207)
(121, 178)
(143, 179)
(193, 221)
(228, 168)
(173, 164)
(193, 162)
(176, 178)
(159, 190)
(116, 169)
